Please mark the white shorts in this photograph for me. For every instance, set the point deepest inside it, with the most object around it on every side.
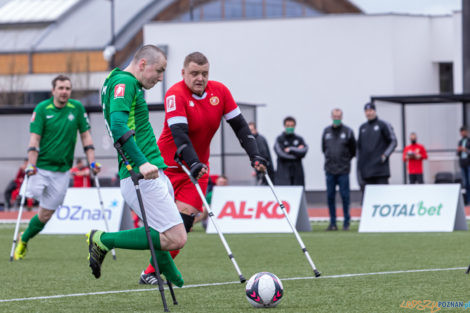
(49, 188)
(159, 203)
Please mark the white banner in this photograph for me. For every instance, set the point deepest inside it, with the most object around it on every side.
(412, 208)
(81, 212)
(254, 209)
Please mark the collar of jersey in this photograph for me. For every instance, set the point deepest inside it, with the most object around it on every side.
(195, 96)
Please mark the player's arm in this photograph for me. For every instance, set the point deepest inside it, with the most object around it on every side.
(33, 152)
(180, 132)
(247, 140)
(89, 149)
(118, 128)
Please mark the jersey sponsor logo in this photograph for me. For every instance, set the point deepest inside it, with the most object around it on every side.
(170, 103)
(119, 91)
(33, 117)
(214, 100)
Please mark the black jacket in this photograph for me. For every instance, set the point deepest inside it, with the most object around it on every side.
(376, 138)
(289, 164)
(464, 160)
(339, 147)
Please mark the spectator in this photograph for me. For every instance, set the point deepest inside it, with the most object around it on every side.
(265, 153)
(339, 147)
(13, 188)
(81, 175)
(463, 151)
(290, 149)
(375, 144)
(414, 154)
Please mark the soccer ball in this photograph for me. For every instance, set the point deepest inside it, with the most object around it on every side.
(264, 290)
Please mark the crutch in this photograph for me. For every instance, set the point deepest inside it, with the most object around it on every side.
(135, 179)
(98, 189)
(281, 205)
(20, 212)
(211, 215)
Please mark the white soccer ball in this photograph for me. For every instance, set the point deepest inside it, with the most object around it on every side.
(264, 290)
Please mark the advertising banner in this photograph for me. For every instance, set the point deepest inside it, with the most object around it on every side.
(254, 209)
(81, 212)
(412, 208)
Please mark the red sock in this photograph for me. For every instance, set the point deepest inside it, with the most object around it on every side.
(174, 253)
(151, 269)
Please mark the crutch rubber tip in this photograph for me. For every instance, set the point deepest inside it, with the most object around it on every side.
(317, 273)
(466, 272)
(11, 260)
(114, 257)
(242, 279)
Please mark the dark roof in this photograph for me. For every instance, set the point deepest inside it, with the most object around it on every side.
(424, 99)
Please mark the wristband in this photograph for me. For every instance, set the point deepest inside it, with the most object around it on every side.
(33, 149)
(86, 148)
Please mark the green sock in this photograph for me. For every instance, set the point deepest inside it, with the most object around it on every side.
(135, 239)
(34, 227)
(167, 267)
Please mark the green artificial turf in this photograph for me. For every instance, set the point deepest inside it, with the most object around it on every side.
(57, 265)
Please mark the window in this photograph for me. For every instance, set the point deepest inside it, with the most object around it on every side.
(446, 78)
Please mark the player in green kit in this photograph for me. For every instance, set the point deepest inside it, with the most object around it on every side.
(53, 128)
(125, 110)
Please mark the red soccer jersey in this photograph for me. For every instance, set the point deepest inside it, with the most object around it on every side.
(203, 115)
(415, 166)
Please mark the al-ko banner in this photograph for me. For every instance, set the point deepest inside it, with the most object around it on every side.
(81, 212)
(254, 209)
(412, 208)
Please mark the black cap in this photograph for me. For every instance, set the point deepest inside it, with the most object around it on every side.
(369, 105)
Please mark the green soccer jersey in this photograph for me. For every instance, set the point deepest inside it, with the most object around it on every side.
(58, 131)
(122, 92)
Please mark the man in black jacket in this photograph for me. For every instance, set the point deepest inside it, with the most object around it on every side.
(375, 144)
(290, 149)
(264, 153)
(463, 152)
(339, 147)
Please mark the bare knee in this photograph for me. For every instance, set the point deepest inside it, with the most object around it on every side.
(45, 215)
(174, 238)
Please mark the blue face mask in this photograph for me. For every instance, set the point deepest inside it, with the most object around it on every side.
(336, 122)
(290, 130)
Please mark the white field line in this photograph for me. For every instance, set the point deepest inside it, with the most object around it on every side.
(229, 283)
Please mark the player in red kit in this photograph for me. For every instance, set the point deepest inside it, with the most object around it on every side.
(414, 154)
(194, 108)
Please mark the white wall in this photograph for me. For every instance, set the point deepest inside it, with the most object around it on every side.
(307, 66)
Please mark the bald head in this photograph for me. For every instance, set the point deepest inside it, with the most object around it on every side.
(150, 53)
(336, 116)
(148, 66)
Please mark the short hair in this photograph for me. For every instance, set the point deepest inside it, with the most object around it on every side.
(79, 160)
(463, 128)
(289, 119)
(337, 109)
(150, 53)
(252, 123)
(196, 57)
(60, 78)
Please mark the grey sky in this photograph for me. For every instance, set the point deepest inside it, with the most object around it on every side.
(409, 6)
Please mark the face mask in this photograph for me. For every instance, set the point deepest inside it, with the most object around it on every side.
(336, 122)
(290, 130)
(413, 141)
